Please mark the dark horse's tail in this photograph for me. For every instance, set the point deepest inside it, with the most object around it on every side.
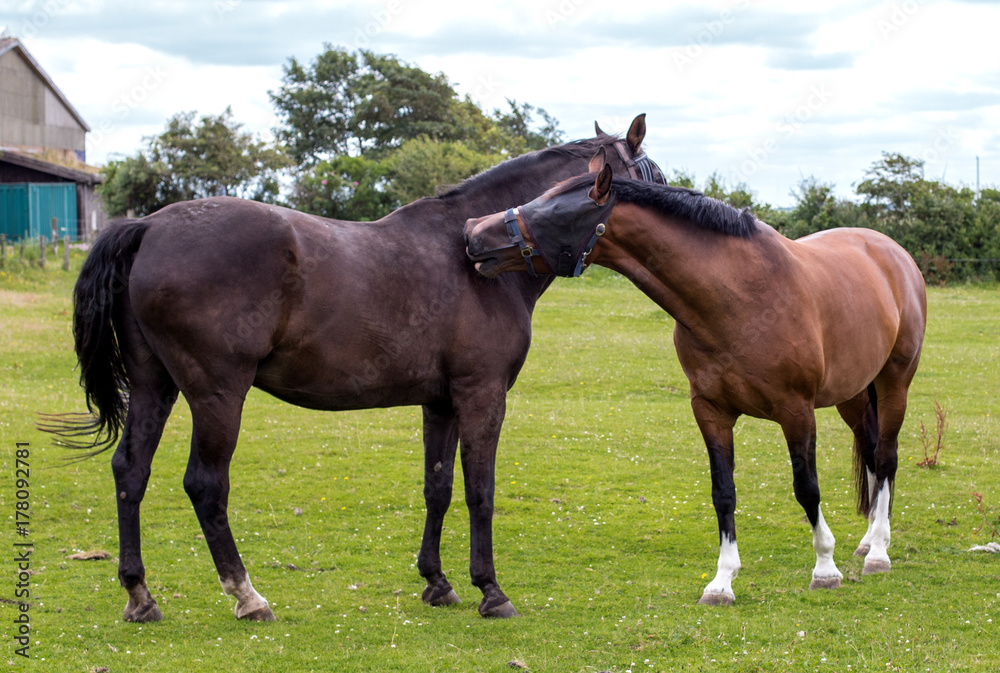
(96, 299)
(870, 428)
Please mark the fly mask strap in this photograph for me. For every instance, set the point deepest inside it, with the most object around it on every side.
(590, 246)
(514, 232)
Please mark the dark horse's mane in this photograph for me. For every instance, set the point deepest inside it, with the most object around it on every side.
(672, 201)
(511, 167)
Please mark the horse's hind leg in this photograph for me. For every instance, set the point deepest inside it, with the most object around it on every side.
(149, 408)
(152, 396)
(891, 384)
(216, 425)
(800, 434)
(440, 444)
(860, 415)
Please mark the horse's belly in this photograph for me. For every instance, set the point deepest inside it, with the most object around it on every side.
(349, 380)
(353, 391)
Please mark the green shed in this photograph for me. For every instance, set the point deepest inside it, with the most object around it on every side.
(27, 209)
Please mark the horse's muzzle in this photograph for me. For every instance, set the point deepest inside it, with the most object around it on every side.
(480, 245)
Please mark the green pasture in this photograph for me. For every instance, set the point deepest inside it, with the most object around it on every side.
(605, 534)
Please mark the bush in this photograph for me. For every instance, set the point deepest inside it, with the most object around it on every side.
(951, 234)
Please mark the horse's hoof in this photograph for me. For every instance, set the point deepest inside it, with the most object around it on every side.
(502, 611)
(875, 567)
(716, 599)
(150, 612)
(437, 596)
(263, 614)
(450, 598)
(862, 550)
(825, 583)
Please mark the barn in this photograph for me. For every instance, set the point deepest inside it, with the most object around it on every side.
(46, 187)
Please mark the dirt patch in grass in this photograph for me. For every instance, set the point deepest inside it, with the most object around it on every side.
(17, 299)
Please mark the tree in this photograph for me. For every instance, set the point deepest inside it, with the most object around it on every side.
(889, 184)
(189, 161)
(422, 166)
(681, 178)
(362, 103)
(516, 124)
(358, 103)
(344, 188)
(739, 196)
(410, 123)
(137, 184)
(216, 158)
(988, 229)
(316, 105)
(817, 209)
(398, 102)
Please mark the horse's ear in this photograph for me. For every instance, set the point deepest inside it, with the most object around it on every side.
(598, 131)
(636, 132)
(598, 161)
(602, 186)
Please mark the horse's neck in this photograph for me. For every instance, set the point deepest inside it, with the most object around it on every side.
(701, 278)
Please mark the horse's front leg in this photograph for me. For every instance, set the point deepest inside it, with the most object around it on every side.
(717, 429)
(440, 444)
(800, 434)
(481, 410)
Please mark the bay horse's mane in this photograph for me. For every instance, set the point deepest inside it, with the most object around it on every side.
(583, 149)
(671, 201)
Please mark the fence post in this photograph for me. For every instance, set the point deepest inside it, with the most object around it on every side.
(41, 241)
(20, 258)
(66, 252)
(3, 250)
(55, 236)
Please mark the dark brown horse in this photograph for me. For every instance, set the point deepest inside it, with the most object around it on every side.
(765, 326)
(214, 296)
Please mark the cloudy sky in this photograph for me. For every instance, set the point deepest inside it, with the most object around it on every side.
(765, 93)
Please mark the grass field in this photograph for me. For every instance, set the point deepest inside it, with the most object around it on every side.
(605, 535)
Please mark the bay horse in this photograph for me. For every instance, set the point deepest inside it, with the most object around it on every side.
(211, 297)
(765, 326)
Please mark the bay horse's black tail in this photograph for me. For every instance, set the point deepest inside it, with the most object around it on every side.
(861, 466)
(102, 279)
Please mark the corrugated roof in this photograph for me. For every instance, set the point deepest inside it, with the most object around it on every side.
(73, 174)
(9, 43)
